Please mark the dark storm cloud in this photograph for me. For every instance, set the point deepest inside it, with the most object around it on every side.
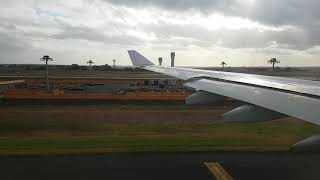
(302, 14)
(284, 12)
(11, 44)
(273, 12)
(180, 5)
(239, 38)
(90, 34)
(40, 26)
(13, 48)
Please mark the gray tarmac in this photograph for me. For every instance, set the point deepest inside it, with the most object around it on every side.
(160, 166)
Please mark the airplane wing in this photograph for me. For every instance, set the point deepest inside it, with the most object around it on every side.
(267, 97)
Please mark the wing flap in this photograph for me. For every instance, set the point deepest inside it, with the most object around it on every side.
(298, 106)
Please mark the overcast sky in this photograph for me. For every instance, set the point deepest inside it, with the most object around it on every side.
(201, 32)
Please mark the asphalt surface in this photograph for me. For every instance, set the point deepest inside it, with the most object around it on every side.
(180, 166)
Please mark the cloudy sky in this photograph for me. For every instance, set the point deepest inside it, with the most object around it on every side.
(201, 32)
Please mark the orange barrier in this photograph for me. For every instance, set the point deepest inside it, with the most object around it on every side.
(58, 93)
(41, 94)
(78, 82)
(24, 91)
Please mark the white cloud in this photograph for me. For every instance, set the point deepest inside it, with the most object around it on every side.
(242, 32)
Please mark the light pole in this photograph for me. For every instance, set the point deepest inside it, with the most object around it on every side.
(273, 61)
(84, 81)
(47, 58)
(90, 62)
(114, 63)
(223, 64)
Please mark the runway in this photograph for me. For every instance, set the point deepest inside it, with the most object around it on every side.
(160, 166)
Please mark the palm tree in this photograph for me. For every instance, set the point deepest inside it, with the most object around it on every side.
(114, 63)
(273, 61)
(47, 58)
(90, 62)
(223, 64)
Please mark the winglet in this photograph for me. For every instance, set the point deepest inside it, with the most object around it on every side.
(138, 60)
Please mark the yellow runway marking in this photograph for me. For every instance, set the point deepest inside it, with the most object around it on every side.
(218, 171)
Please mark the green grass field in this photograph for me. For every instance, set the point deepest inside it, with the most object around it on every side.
(98, 129)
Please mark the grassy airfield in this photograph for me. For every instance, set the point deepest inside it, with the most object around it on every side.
(98, 129)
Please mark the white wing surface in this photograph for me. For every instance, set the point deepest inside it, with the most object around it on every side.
(292, 97)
